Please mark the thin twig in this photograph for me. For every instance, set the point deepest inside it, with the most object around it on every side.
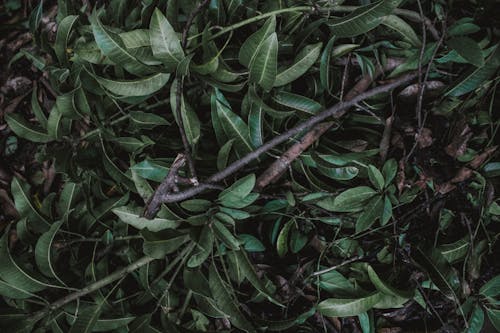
(190, 20)
(329, 269)
(421, 91)
(92, 287)
(237, 165)
(168, 185)
(421, 85)
(182, 131)
(278, 167)
(179, 93)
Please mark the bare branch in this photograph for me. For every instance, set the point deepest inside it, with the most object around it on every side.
(275, 170)
(237, 165)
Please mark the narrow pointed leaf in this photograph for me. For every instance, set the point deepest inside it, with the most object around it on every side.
(362, 19)
(140, 87)
(263, 67)
(164, 41)
(304, 60)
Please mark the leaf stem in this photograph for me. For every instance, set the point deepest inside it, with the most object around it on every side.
(258, 18)
(92, 287)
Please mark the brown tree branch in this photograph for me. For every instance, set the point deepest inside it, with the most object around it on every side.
(276, 169)
(168, 185)
(237, 165)
(279, 166)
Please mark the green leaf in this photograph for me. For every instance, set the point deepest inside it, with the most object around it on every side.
(338, 307)
(132, 216)
(494, 316)
(263, 66)
(204, 247)
(112, 46)
(387, 211)
(298, 102)
(232, 124)
(251, 243)
(68, 197)
(226, 302)
(385, 288)
(255, 101)
(476, 320)
(196, 205)
(335, 283)
(55, 123)
(282, 241)
(37, 109)
(389, 170)
(20, 192)
(225, 236)
(150, 170)
(376, 177)
(363, 19)
(251, 46)
(297, 240)
(146, 120)
(239, 189)
(475, 77)
(491, 288)
(404, 29)
(164, 41)
(324, 65)
(304, 60)
(62, 37)
(43, 253)
(11, 291)
(223, 155)
(438, 269)
(36, 18)
(468, 49)
(108, 324)
(462, 28)
(13, 274)
(131, 144)
(87, 319)
(343, 173)
(250, 274)
(158, 244)
(491, 169)
(116, 174)
(255, 125)
(189, 118)
(371, 213)
(455, 251)
(24, 130)
(140, 87)
(351, 200)
(104, 208)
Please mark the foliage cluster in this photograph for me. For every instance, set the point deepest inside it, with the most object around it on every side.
(389, 219)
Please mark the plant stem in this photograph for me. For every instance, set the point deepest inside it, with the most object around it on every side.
(409, 14)
(414, 16)
(237, 165)
(98, 130)
(92, 287)
(260, 17)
